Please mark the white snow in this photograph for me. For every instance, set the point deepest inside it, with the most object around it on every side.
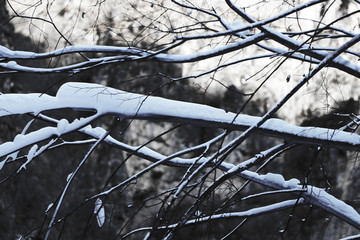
(62, 126)
(29, 156)
(44, 133)
(99, 210)
(69, 176)
(49, 207)
(274, 178)
(292, 183)
(32, 152)
(5, 52)
(11, 64)
(333, 205)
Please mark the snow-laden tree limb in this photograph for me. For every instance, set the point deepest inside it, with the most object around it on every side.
(295, 45)
(7, 54)
(223, 216)
(134, 54)
(105, 100)
(299, 50)
(145, 55)
(314, 195)
(23, 140)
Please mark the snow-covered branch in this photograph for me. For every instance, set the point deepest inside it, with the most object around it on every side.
(339, 62)
(223, 216)
(110, 101)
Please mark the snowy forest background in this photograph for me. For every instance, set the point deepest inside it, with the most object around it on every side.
(169, 119)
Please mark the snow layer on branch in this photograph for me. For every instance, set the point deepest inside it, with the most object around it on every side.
(10, 54)
(7, 53)
(30, 156)
(106, 100)
(99, 210)
(62, 125)
(279, 179)
(314, 195)
(24, 140)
